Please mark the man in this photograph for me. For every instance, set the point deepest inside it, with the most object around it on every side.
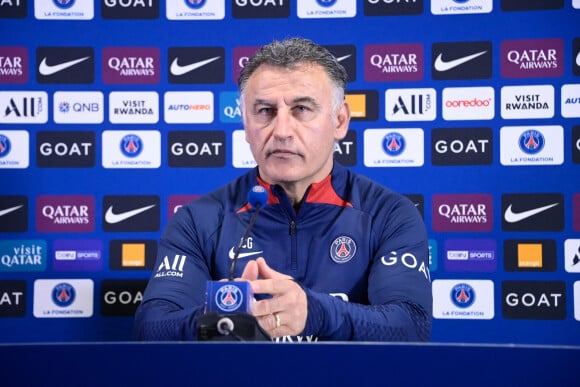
(341, 257)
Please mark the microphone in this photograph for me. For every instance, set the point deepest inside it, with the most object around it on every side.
(228, 304)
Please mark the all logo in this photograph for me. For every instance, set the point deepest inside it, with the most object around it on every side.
(465, 146)
(138, 213)
(533, 212)
(390, 8)
(195, 65)
(121, 297)
(530, 255)
(70, 149)
(23, 107)
(410, 104)
(534, 300)
(13, 64)
(132, 254)
(463, 299)
(65, 65)
(260, 9)
(13, 213)
(197, 149)
(572, 255)
(130, 9)
(461, 60)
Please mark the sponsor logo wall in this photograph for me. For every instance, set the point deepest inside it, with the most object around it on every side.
(121, 111)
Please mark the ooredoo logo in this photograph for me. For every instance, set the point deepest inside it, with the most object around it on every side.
(131, 65)
(462, 212)
(393, 62)
(535, 58)
(534, 300)
(468, 103)
(67, 213)
(13, 64)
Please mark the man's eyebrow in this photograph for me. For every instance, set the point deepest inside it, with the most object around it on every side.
(297, 100)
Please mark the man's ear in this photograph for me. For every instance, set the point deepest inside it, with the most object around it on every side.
(342, 120)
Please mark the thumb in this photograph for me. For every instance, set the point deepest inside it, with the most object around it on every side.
(250, 272)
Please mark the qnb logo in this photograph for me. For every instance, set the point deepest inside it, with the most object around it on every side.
(171, 267)
(408, 260)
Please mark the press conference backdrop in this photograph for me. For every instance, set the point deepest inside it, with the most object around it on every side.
(113, 113)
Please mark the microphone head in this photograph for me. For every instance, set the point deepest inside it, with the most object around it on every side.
(258, 196)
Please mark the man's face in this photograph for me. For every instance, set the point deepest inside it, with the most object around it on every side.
(290, 123)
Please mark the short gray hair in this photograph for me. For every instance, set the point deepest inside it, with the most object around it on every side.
(294, 51)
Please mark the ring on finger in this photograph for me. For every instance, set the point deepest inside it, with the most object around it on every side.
(278, 322)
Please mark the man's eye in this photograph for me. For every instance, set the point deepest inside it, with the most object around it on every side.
(265, 111)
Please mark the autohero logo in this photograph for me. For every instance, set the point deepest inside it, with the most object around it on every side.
(12, 298)
(16, 9)
(13, 64)
(78, 107)
(468, 103)
(70, 149)
(195, 9)
(532, 212)
(462, 212)
(530, 255)
(534, 300)
(195, 65)
(537, 58)
(13, 213)
(455, 7)
(77, 255)
(461, 60)
(463, 299)
(462, 146)
(478, 255)
(66, 213)
(241, 55)
(14, 149)
(322, 9)
(260, 9)
(121, 297)
(195, 107)
(138, 213)
(197, 149)
(531, 145)
(64, 10)
(131, 149)
(134, 107)
(22, 255)
(65, 65)
(392, 7)
(518, 5)
(346, 56)
(23, 107)
(570, 101)
(131, 65)
(345, 149)
(393, 62)
(410, 104)
(63, 298)
(130, 9)
(576, 144)
(132, 254)
(393, 147)
(364, 104)
(535, 101)
(572, 255)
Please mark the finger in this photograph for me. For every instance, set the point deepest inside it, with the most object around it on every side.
(267, 272)
(250, 272)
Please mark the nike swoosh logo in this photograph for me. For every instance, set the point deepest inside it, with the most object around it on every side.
(113, 218)
(343, 58)
(177, 69)
(9, 210)
(46, 69)
(231, 254)
(513, 217)
(441, 65)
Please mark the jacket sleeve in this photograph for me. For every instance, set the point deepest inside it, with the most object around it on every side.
(175, 294)
(399, 288)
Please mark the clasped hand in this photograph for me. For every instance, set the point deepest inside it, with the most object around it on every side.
(284, 314)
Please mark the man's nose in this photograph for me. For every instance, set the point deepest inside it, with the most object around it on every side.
(284, 124)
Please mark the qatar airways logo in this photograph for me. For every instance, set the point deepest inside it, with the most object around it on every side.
(13, 65)
(241, 55)
(462, 212)
(393, 62)
(536, 58)
(134, 65)
(67, 213)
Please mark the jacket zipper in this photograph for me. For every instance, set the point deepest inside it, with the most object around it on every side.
(293, 243)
